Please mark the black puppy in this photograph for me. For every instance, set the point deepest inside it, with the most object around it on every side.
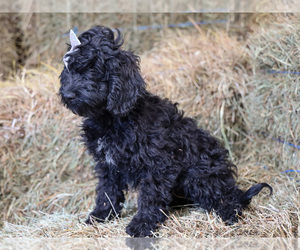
(142, 141)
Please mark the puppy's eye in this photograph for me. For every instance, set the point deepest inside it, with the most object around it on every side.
(82, 65)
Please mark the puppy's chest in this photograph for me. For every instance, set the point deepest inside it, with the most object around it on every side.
(115, 148)
(107, 150)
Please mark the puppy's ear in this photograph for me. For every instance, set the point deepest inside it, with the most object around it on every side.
(126, 84)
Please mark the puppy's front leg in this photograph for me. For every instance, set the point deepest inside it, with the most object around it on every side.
(154, 198)
(109, 194)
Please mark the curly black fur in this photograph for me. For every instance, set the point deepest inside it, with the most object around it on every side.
(142, 141)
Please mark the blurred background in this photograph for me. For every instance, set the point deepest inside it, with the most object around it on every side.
(236, 73)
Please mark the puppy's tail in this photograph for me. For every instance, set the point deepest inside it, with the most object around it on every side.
(246, 197)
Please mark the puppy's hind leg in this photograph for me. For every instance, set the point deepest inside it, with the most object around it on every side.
(219, 192)
(238, 200)
(213, 190)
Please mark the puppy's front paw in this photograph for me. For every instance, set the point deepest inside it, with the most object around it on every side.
(140, 227)
(93, 218)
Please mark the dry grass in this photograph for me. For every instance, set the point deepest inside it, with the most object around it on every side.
(46, 180)
(8, 49)
(275, 46)
(273, 105)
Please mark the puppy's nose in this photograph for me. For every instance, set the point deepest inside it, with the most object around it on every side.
(69, 96)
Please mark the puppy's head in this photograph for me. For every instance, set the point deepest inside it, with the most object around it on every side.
(98, 75)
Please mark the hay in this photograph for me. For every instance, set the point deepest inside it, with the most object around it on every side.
(273, 105)
(30, 38)
(8, 46)
(33, 151)
(45, 34)
(276, 46)
(46, 182)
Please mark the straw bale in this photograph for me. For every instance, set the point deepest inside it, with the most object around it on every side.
(273, 106)
(36, 160)
(36, 37)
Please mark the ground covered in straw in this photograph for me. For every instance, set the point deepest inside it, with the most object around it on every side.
(226, 83)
